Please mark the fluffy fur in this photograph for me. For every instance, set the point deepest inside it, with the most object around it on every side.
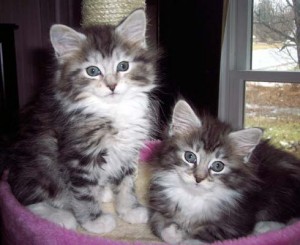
(211, 183)
(81, 143)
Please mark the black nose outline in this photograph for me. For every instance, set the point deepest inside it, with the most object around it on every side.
(198, 179)
(112, 86)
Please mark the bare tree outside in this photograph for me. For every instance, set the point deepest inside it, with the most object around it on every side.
(275, 106)
(277, 22)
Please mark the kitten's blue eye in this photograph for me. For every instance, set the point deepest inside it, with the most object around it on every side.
(93, 71)
(123, 66)
(190, 157)
(217, 166)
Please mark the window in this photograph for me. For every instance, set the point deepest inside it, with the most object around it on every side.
(259, 77)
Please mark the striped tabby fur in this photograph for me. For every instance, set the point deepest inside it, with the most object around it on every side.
(211, 183)
(80, 145)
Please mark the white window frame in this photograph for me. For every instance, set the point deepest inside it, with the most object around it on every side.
(235, 64)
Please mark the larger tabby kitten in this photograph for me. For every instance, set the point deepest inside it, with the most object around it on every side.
(80, 147)
(211, 183)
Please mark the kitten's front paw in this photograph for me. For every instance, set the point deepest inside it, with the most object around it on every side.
(193, 242)
(265, 226)
(136, 216)
(105, 223)
(107, 195)
(172, 234)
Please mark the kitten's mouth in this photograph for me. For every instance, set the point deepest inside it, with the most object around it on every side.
(112, 94)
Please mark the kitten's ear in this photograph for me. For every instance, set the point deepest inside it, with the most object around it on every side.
(133, 28)
(244, 141)
(65, 40)
(184, 118)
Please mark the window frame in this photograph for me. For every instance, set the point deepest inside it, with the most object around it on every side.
(236, 62)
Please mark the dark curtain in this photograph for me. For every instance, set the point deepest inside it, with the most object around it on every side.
(190, 33)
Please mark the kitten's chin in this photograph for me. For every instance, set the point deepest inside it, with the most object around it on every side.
(112, 98)
(195, 189)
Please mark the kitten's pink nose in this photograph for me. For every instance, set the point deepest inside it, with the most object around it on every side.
(112, 86)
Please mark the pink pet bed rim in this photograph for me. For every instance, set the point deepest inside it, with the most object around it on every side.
(20, 226)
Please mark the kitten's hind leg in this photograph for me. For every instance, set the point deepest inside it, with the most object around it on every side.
(127, 205)
(102, 224)
(61, 217)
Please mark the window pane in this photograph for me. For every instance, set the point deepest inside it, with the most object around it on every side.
(276, 108)
(274, 45)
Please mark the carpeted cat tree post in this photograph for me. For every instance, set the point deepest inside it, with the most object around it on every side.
(108, 11)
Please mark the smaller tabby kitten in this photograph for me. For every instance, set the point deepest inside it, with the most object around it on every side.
(81, 143)
(211, 183)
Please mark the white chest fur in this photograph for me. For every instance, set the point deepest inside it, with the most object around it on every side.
(130, 120)
(195, 204)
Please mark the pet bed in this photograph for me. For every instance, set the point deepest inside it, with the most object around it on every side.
(20, 226)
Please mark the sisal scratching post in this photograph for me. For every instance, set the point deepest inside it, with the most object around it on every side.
(111, 12)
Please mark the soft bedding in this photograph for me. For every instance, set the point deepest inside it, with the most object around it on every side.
(20, 226)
